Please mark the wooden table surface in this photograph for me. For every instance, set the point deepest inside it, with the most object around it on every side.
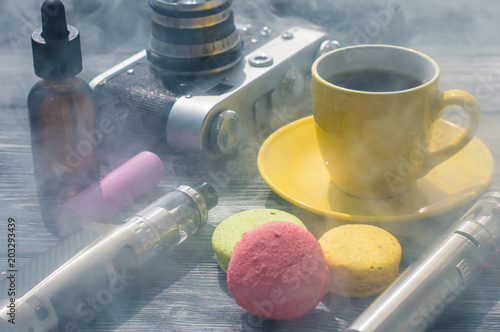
(185, 290)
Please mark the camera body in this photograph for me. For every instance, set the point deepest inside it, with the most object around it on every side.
(209, 113)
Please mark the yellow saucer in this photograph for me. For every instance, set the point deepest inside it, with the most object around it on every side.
(290, 162)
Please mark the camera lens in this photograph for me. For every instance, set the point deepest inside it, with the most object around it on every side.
(191, 37)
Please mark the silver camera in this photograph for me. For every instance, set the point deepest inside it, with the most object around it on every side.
(204, 84)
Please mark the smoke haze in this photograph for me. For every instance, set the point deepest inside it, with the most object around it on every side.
(113, 30)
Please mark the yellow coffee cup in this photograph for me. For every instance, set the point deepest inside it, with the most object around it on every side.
(374, 108)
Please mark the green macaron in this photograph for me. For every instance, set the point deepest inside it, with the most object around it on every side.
(230, 231)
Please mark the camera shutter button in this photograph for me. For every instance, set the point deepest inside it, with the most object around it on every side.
(224, 132)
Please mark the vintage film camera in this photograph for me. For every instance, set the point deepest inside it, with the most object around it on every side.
(203, 85)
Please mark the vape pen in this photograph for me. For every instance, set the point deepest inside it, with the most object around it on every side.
(438, 277)
(64, 288)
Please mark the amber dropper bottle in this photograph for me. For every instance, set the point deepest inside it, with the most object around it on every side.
(61, 115)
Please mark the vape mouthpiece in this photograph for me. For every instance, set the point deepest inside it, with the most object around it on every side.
(208, 194)
(54, 20)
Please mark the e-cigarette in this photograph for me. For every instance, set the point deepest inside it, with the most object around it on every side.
(63, 289)
(440, 275)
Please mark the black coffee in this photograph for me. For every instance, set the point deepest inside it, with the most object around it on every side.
(374, 80)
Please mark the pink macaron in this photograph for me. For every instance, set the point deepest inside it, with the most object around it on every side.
(278, 271)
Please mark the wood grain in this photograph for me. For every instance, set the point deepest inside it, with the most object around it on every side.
(185, 290)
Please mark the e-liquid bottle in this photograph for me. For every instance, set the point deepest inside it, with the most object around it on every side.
(61, 115)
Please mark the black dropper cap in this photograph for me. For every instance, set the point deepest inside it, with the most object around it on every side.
(56, 46)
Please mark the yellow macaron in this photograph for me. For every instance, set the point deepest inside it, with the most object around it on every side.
(363, 259)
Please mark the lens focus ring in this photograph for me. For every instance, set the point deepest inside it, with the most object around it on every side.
(193, 37)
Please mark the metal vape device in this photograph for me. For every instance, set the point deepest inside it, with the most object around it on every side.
(438, 277)
(64, 288)
(205, 83)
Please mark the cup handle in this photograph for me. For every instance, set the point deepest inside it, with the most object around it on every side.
(471, 106)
